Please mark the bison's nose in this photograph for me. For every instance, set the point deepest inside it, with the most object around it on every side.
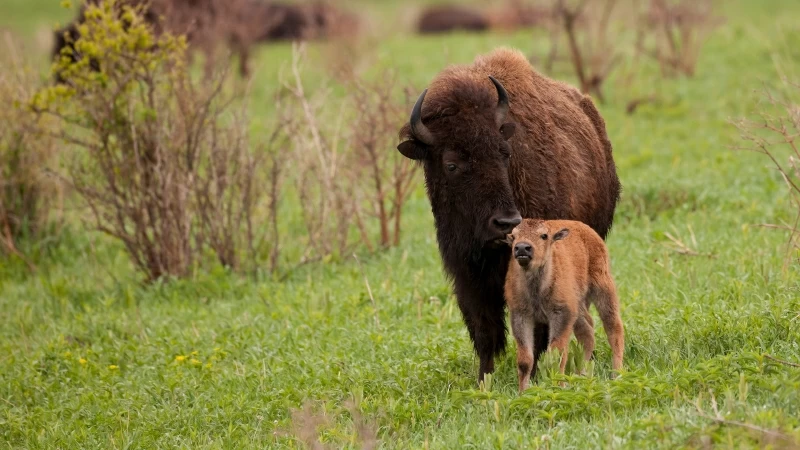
(505, 223)
(523, 252)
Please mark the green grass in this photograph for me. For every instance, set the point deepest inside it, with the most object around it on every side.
(91, 359)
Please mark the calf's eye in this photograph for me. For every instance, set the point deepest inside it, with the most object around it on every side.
(544, 237)
(451, 167)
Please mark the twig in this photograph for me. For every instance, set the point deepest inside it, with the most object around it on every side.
(778, 360)
(300, 264)
(8, 242)
(684, 249)
(776, 227)
(765, 431)
(369, 291)
(717, 417)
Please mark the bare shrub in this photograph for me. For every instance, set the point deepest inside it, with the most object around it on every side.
(27, 193)
(385, 178)
(673, 32)
(591, 39)
(776, 133)
(164, 163)
(346, 169)
(317, 156)
(307, 424)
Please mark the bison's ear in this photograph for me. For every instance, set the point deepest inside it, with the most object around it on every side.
(561, 234)
(507, 130)
(412, 150)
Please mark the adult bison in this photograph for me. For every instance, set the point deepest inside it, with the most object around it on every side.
(444, 18)
(499, 141)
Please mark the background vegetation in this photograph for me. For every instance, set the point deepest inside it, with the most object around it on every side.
(375, 348)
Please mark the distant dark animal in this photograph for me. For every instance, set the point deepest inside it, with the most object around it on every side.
(65, 37)
(205, 23)
(274, 21)
(497, 139)
(558, 269)
(330, 21)
(208, 24)
(514, 14)
(444, 18)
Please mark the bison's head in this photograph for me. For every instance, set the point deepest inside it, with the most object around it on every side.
(465, 154)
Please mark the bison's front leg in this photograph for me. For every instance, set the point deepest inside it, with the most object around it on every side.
(484, 316)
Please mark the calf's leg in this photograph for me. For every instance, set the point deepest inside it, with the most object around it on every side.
(584, 333)
(522, 327)
(541, 339)
(562, 322)
(607, 304)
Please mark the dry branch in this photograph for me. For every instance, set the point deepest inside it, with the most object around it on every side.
(588, 26)
(784, 362)
(718, 418)
(775, 133)
(673, 33)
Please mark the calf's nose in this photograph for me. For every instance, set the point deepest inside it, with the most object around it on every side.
(522, 250)
(505, 223)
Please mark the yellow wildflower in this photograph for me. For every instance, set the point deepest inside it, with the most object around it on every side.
(194, 353)
(113, 367)
(208, 365)
(195, 362)
(67, 354)
(82, 361)
(180, 358)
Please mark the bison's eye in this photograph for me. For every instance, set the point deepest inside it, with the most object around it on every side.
(451, 167)
(544, 237)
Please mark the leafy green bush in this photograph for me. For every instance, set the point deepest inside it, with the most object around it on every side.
(157, 161)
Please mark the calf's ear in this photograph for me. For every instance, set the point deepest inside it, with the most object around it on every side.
(561, 234)
(412, 150)
(508, 129)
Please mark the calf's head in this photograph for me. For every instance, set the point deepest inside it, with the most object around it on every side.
(533, 242)
(465, 155)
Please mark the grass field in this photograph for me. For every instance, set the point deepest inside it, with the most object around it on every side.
(90, 358)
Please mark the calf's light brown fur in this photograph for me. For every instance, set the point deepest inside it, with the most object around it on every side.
(558, 268)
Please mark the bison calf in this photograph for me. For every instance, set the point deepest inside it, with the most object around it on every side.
(558, 268)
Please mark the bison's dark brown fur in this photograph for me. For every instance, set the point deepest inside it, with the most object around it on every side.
(480, 174)
(444, 18)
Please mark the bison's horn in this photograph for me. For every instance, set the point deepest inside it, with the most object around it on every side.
(502, 102)
(418, 129)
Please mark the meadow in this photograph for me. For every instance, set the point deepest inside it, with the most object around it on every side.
(92, 358)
